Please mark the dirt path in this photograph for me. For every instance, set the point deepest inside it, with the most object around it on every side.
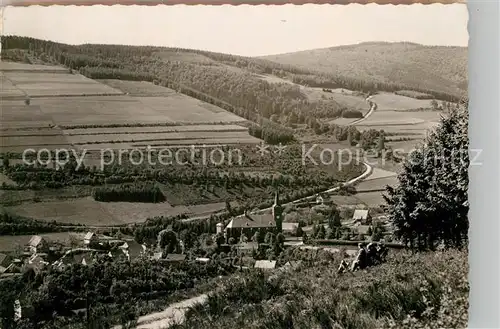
(171, 315)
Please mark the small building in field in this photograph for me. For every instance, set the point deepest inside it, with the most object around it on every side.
(38, 244)
(265, 264)
(362, 216)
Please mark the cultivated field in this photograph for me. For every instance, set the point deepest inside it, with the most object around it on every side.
(93, 213)
(39, 83)
(138, 88)
(187, 121)
(21, 67)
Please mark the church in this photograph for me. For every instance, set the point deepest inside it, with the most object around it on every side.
(248, 224)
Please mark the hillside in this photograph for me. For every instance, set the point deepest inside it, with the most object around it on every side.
(231, 82)
(436, 68)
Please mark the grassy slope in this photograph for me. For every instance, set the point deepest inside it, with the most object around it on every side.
(410, 291)
(432, 67)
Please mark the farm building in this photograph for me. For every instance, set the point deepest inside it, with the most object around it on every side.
(248, 224)
(37, 244)
(361, 216)
(265, 264)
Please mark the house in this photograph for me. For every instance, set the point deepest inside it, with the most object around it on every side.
(248, 223)
(90, 239)
(290, 227)
(133, 250)
(265, 264)
(5, 260)
(203, 260)
(37, 263)
(175, 258)
(157, 256)
(38, 244)
(362, 216)
(319, 199)
(291, 265)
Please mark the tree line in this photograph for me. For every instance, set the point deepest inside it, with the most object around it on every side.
(137, 192)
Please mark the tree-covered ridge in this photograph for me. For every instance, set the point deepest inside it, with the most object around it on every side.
(228, 81)
(430, 204)
(438, 68)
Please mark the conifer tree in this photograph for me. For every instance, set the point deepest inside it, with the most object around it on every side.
(430, 206)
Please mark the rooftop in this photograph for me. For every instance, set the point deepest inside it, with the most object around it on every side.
(252, 221)
(360, 214)
(265, 264)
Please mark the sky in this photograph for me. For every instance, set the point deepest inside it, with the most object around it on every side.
(242, 30)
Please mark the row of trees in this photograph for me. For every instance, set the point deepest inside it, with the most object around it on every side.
(138, 192)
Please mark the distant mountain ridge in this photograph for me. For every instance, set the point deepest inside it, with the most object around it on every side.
(439, 68)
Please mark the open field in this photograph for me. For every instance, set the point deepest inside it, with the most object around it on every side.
(158, 137)
(40, 84)
(103, 110)
(391, 101)
(22, 67)
(380, 173)
(141, 130)
(10, 243)
(192, 121)
(89, 212)
(16, 115)
(371, 199)
(376, 184)
(413, 94)
(138, 88)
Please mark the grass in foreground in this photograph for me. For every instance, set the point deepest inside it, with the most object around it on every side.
(426, 290)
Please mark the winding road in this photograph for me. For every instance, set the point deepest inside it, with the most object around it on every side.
(373, 107)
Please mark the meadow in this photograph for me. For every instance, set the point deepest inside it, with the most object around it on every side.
(86, 211)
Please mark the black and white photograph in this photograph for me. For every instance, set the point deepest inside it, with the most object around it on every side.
(255, 167)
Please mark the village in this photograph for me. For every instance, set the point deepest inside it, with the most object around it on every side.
(252, 240)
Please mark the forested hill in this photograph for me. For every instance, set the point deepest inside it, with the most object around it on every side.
(437, 68)
(231, 82)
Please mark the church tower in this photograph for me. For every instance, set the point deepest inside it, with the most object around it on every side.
(278, 212)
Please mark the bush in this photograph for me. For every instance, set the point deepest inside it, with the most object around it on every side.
(354, 114)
